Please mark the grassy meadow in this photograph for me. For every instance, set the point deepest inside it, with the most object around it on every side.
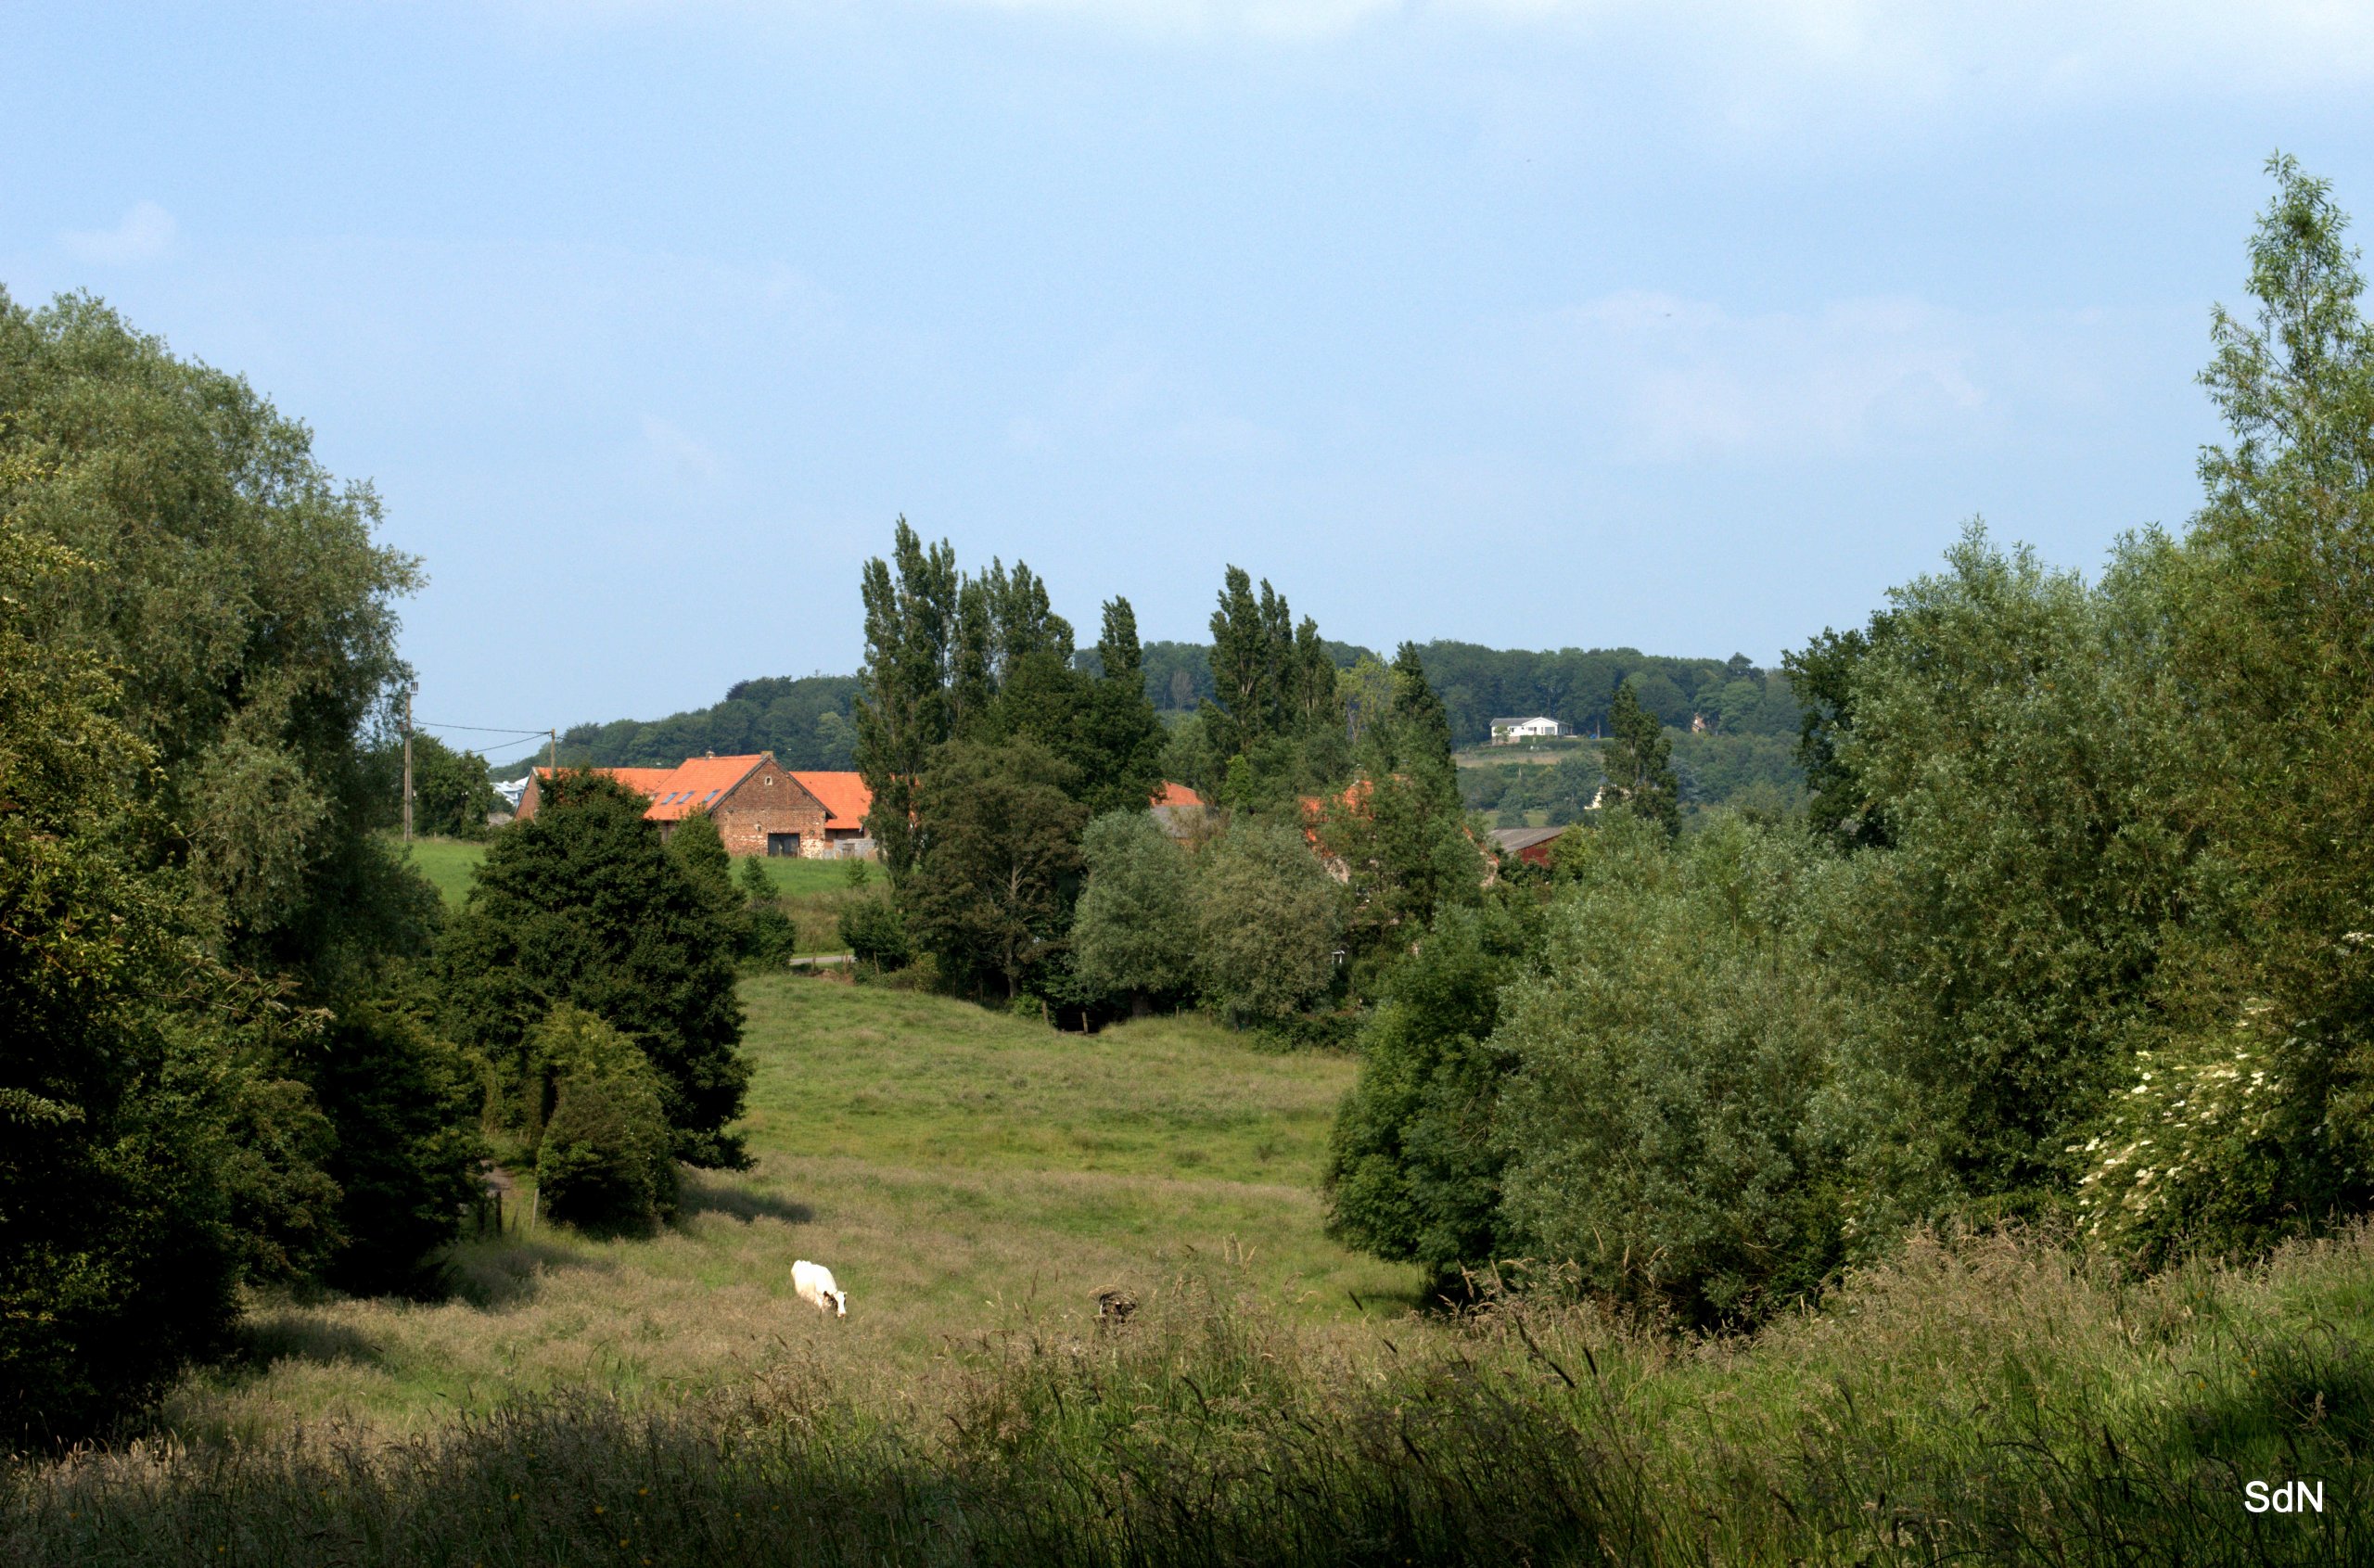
(974, 1178)
(954, 1166)
(448, 863)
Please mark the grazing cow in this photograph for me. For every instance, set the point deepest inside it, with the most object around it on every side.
(1113, 1308)
(819, 1289)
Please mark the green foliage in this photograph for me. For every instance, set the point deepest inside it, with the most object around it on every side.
(1669, 1052)
(603, 1161)
(236, 589)
(1134, 932)
(1268, 923)
(694, 844)
(2008, 737)
(875, 933)
(1413, 1173)
(119, 1250)
(451, 795)
(807, 722)
(401, 1104)
(1639, 762)
(1400, 833)
(997, 865)
(581, 904)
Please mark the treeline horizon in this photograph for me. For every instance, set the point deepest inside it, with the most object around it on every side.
(808, 721)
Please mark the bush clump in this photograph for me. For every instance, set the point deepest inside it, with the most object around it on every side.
(603, 1163)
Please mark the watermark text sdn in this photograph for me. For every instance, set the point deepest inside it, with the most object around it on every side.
(2285, 1497)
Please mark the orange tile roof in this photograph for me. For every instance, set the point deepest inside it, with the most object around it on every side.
(1169, 794)
(844, 797)
(694, 785)
(698, 784)
(643, 780)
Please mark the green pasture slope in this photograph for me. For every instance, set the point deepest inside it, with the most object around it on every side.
(448, 863)
(954, 1166)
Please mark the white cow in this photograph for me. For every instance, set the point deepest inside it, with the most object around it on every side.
(816, 1286)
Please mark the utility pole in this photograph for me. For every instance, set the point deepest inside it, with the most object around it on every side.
(407, 767)
(552, 753)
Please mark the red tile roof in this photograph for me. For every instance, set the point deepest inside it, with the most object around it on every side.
(694, 785)
(1169, 794)
(643, 780)
(846, 798)
(698, 784)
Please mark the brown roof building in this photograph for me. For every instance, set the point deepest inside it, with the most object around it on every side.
(760, 806)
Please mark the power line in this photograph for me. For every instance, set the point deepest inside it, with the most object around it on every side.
(480, 729)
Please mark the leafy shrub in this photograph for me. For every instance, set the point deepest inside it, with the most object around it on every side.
(876, 933)
(1134, 932)
(603, 1163)
(1268, 922)
(1668, 1054)
(1412, 1173)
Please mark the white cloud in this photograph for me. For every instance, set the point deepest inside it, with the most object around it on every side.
(146, 232)
(693, 462)
(1677, 379)
(1762, 54)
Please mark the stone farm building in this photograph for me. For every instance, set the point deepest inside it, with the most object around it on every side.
(760, 806)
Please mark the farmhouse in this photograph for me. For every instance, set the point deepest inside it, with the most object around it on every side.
(760, 807)
(1507, 732)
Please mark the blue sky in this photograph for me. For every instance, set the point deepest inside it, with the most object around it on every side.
(1686, 326)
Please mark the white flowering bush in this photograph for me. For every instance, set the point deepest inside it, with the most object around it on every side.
(2185, 1157)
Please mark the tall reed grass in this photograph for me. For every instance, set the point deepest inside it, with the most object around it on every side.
(1988, 1400)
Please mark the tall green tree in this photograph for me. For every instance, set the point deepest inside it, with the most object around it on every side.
(582, 905)
(239, 593)
(1124, 738)
(1639, 762)
(2264, 1096)
(903, 706)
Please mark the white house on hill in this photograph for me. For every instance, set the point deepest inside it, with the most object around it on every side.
(1507, 732)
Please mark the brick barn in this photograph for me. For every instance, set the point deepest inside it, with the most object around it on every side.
(760, 807)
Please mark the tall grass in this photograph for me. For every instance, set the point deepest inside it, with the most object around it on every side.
(1991, 1400)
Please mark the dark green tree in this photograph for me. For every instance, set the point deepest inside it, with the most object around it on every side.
(903, 704)
(1822, 673)
(1412, 1172)
(1638, 760)
(1122, 740)
(581, 904)
(998, 864)
(603, 1157)
(119, 1255)
(404, 1104)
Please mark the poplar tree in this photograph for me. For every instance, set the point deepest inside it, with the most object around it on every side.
(1637, 759)
(904, 707)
